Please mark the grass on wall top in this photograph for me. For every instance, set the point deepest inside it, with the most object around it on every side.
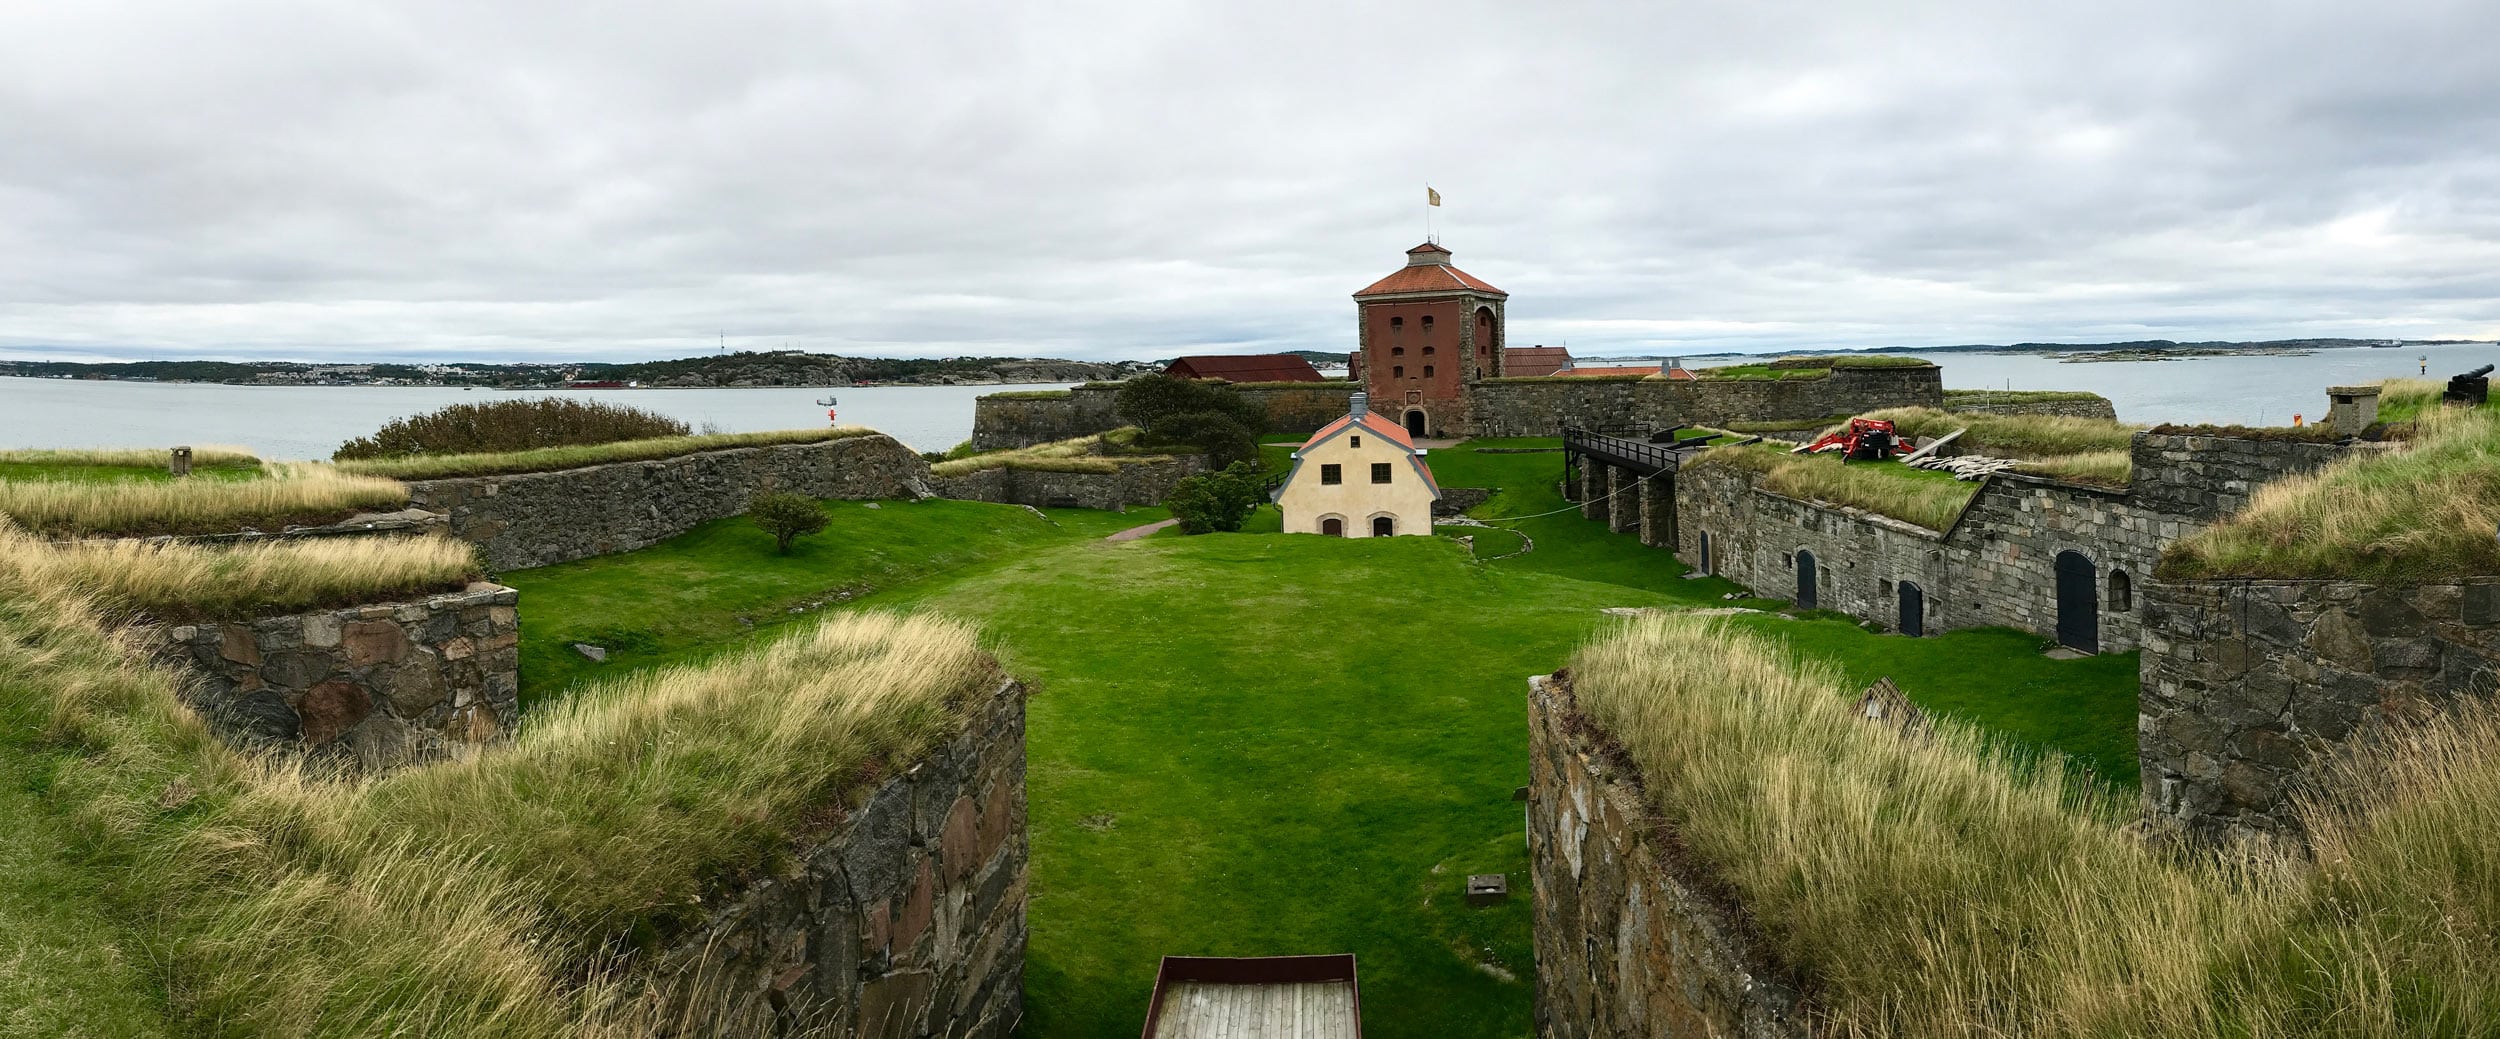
(1029, 395)
(1934, 887)
(292, 495)
(2425, 512)
(1954, 397)
(483, 898)
(1085, 454)
(2013, 436)
(183, 582)
(1925, 497)
(553, 459)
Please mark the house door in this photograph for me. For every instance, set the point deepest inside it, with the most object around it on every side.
(1805, 580)
(2078, 603)
(1913, 610)
(1705, 553)
(1333, 527)
(1383, 526)
(1414, 423)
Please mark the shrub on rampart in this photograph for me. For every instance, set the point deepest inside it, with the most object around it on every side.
(511, 425)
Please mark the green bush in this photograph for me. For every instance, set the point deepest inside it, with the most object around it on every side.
(1220, 500)
(1224, 439)
(1150, 399)
(787, 517)
(511, 425)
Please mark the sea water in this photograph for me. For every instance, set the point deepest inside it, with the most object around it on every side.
(310, 421)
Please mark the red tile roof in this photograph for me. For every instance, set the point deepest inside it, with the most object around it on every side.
(1379, 425)
(1530, 361)
(1245, 368)
(1434, 275)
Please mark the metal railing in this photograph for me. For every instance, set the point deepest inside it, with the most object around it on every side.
(1637, 452)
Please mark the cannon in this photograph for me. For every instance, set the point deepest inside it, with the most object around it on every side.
(2471, 388)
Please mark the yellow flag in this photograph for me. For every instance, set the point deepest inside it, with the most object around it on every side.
(1431, 197)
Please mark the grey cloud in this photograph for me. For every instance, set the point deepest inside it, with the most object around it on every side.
(1099, 180)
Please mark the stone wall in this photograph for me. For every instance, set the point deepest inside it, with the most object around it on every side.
(1860, 559)
(370, 686)
(1000, 422)
(534, 519)
(1982, 404)
(1539, 407)
(2002, 555)
(1628, 944)
(2245, 682)
(2208, 477)
(1136, 483)
(1300, 409)
(908, 919)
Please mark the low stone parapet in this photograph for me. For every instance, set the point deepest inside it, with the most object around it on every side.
(907, 918)
(1134, 483)
(373, 687)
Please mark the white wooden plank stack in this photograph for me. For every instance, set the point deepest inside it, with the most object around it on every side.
(1298, 1010)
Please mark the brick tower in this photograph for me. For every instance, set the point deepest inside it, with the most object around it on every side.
(1423, 336)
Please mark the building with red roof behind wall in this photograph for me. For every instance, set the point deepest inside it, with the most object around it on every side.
(1245, 368)
(1424, 335)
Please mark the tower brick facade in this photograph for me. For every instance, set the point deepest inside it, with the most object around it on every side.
(1424, 335)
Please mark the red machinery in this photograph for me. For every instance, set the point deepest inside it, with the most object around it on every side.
(1866, 440)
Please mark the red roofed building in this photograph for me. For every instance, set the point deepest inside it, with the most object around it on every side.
(1424, 334)
(1360, 476)
(1529, 361)
(1245, 368)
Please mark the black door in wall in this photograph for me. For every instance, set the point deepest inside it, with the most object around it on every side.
(2078, 603)
(1805, 580)
(1705, 553)
(1913, 610)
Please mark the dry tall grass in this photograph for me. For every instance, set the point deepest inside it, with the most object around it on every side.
(202, 455)
(1929, 499)
(1931, 887)
(173, 581)
(2426, 512)
(487, 898)
(2100, 468)
(292, 495)
(1074, 455)
(551, 459)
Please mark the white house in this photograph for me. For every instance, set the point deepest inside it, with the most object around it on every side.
(1360, 477)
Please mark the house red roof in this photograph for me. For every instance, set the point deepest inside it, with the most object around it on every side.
(1245, 368)
(1376, 424)
(1428, 270)
(1531, 361)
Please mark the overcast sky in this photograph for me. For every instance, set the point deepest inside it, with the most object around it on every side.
(484, 180)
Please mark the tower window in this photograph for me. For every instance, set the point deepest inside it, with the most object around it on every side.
(1397, 324)
(1427, 351)
(1331, 473)
(1397, 351)
(1427, 371)
(1397, 371)
(1380, 472)
(1427, 322)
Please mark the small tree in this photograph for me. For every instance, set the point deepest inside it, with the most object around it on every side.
(1224, 440)
(1150, 399)
(787, 517)
(1219, 500)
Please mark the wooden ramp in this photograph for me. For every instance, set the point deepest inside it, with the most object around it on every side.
(1267, 997)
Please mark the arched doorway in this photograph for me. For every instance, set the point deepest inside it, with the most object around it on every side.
(1805, 580)
(1383, 526)
(2078, 603)
(1705, 553)
(1913, 610)
(1414, 422)
(1332, 526)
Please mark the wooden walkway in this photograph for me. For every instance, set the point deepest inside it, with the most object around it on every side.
(1291, 1010)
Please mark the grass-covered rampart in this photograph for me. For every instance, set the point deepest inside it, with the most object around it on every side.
(291, 495)
(1936, 887)
(128, 579)
(551, 459)
(1928, 498)
(1954, 398)
(1099, 453)
(2424, 512)
(488, 898)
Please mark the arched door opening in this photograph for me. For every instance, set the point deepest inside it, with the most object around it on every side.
(1383, 526)
(1332, 526)
(1705, 554)
(1805, 580)
(1414, 422)
(2078, 603)
(1486, 348)
(1913, 610)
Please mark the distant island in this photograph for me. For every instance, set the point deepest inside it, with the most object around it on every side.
(2158, 349)
(742, 369)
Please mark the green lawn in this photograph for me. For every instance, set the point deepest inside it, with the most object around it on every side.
(1261, 743)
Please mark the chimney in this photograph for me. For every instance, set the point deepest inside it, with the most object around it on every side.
(1358, 404)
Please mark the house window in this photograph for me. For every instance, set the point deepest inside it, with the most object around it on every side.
(2121, 591)
(1380, 472)
(1354, 441)
(1398, 371)
(1427, 371)
(1332, 473)
(1383, 526)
